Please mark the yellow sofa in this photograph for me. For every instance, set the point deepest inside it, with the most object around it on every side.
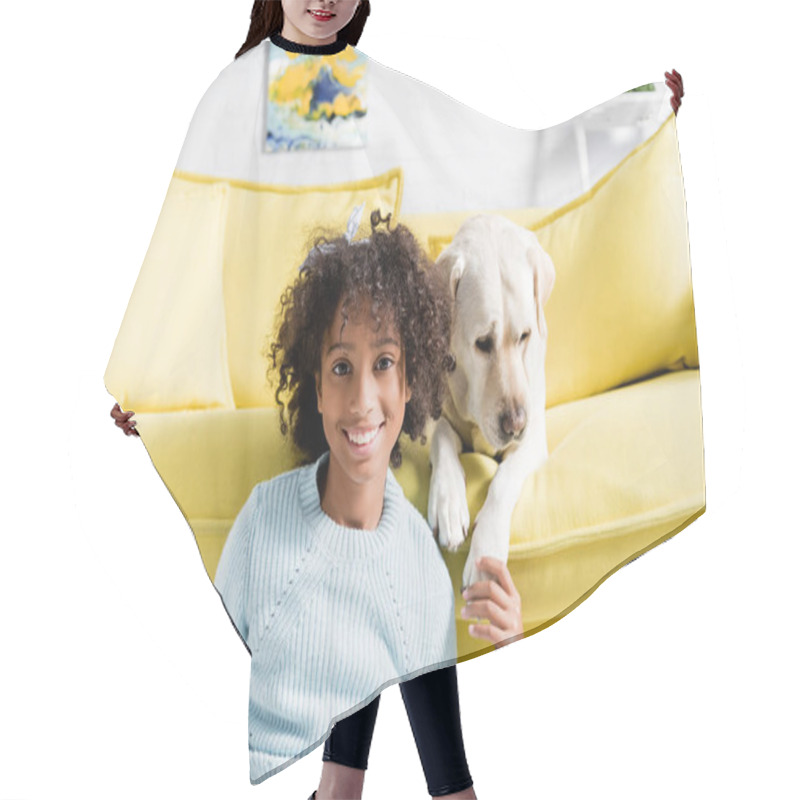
(624, 425)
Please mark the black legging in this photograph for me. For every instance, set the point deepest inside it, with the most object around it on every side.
(431, 702)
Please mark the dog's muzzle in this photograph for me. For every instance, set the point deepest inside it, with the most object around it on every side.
(513, 421)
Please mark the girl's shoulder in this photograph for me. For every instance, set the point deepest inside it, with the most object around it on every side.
(280, 485)
(276, 512)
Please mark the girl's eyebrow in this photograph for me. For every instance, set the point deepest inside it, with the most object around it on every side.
(376, 344)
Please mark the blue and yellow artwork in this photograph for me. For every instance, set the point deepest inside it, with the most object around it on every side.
(316, 102)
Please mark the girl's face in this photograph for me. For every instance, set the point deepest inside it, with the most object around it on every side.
(361, 393)
(315, 21)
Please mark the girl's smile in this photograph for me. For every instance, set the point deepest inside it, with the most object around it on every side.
(361, 438)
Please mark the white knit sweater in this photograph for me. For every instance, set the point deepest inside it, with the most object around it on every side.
(331, 615)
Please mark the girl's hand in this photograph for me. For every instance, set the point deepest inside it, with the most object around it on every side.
(675, 83)
(124, 420)
(496, 601)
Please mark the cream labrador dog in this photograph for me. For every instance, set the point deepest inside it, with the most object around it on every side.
(499, 279)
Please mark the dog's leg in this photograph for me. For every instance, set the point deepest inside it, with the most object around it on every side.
(448, 513)
(492, 531)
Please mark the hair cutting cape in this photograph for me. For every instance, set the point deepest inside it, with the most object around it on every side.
(284, 144)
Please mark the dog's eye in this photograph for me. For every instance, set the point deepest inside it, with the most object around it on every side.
(484, 344)
(524, 336)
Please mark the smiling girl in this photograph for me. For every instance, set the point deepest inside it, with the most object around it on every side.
(330, 575)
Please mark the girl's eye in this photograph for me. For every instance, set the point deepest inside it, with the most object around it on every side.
(386, 361)
(484, 344)
(336, 368)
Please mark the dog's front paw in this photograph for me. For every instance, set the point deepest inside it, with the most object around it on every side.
(489, 538)
(448, 512)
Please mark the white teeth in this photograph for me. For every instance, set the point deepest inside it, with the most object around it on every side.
(362, 438)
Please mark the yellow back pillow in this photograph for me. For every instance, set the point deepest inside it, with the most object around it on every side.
(222, 253)
(170, 350)
(267, 241)
(622, 305)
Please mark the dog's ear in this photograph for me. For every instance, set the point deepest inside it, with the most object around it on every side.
(544, 277)
(450, 267)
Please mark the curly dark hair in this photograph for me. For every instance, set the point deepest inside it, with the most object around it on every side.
(390, 270)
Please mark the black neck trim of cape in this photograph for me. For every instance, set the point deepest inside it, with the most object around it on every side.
(308, 49)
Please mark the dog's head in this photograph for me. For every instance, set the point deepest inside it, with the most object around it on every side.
(499, 278)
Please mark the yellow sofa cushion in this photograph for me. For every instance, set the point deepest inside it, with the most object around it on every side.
(203, 305)
(170, 350)
(622, 306)
(625, 471)
(268, 239)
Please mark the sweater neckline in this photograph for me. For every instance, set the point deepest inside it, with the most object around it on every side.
(339, 540)
(308, 49)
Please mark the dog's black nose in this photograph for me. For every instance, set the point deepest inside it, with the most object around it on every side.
(513, 422)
